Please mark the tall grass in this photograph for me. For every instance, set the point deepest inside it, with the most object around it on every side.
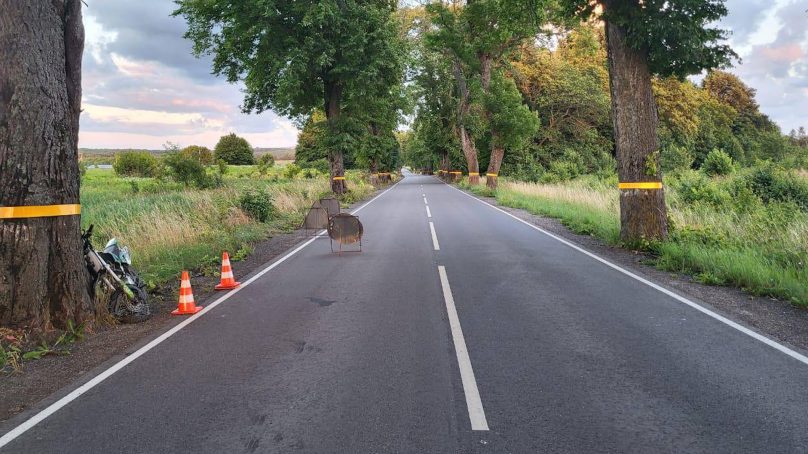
(169, 228)
(762, 248)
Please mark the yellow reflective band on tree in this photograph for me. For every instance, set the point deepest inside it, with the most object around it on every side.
(474, 174)
(641, 185)
(490, 174)
(457, 173)
(39, 211)
(338, 178)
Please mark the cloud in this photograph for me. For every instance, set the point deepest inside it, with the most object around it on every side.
(772, 38)
(143, 87)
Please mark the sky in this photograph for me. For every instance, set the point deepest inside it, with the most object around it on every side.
(143, 87)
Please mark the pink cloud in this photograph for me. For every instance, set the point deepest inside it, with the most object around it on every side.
(206, 103)
(785, 54)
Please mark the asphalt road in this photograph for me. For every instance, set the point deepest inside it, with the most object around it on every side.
(476, 333)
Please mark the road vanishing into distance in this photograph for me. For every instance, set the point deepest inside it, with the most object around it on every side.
(458, 329)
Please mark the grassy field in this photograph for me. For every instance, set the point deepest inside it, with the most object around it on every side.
(170, 228)
(721, 233)
(95, 156)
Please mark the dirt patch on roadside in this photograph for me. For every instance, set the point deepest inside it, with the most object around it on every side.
(776, 319)
(41, 378)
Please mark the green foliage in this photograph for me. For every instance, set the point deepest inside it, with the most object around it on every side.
(291, 171)
(652, 25)
(776, 185)
(513, 121)
(198, 152)
(136, 164)
(568, 88)
(222, 167)
(257, 204)
(717, 163)
(320, 165)
(675, 158)
(312, 44)
(695, 187)
(189, 171)
(234, 150)
(265, 162)
(311, 140)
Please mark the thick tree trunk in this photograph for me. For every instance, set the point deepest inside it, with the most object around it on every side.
(497, 154)
(445, 164)
(466, 141)
(634, 115)
(43, 281)
(333, 110)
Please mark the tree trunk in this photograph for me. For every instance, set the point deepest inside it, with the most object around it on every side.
(43, 281)
(445, 164)
(466, 141)
(333, 110)
(497, 154)
(634, 115)
(374, 172)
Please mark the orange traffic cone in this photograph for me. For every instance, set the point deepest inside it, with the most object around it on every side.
(227, 282)
(186, 304)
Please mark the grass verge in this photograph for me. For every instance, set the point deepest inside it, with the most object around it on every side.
(760, 248)
(170, 228)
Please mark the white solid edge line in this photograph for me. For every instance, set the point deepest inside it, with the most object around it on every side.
(428, 213)
(473, 401)
(73, 395)
(435, 243)
(771, 343)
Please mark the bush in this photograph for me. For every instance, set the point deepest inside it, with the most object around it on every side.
(234, 150)
(291, 171)
(200, 153)
(321, 165)
(675, 158)
(257, 204)
(717, 163)
(776, 185)
(695, 187)
(265, 162)
(189, 171)
(223, 169)
(135, 164)
(310, 173)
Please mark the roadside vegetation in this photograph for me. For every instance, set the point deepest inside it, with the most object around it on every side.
(748, 229)
(174, 218)
(175, 213)
(736, 191)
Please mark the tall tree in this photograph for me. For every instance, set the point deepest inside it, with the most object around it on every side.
(282, 50)
(477, 37)
(435, 135)
(42, 275)
(662, 37)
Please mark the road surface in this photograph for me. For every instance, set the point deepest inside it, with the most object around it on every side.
(457, 329)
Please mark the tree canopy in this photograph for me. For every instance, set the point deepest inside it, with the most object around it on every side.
(679, 36)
